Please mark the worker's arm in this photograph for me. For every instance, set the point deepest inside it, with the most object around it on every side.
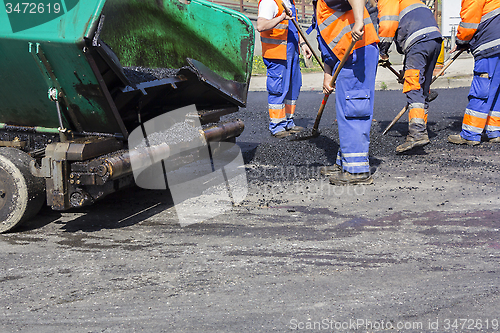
(264, 24)
(358, 7)
(388, 13)
(470, 14)
(305, 48)
(327, 79)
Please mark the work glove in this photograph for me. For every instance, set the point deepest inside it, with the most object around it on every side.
(384, 63)
(462, 46)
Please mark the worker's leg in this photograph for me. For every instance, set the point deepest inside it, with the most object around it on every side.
(478, 108)
(433, 48)
(420, 61)
(276, 86)
(493, 120)
(293, 76)
(355, 90)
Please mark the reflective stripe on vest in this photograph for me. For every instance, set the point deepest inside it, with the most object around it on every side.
(489, 15)
(486, 46)
(335, 26)
(472, 17)
(417, 34)
(410, 8)
(389, 18)
(468, 25)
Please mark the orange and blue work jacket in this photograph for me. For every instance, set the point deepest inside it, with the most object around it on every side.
(274, 40)
(480, 27)
(335, 22)
(405, 22)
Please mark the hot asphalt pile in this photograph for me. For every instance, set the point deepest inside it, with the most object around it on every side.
(285, 159)
(143, 74)
(175, 134)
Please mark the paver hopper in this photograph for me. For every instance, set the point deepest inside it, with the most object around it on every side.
(78, 76)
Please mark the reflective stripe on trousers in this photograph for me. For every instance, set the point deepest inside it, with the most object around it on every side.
(483, 111)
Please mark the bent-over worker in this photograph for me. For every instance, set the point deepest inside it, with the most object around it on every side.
(413, 28)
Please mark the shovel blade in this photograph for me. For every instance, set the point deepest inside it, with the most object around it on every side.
(305, 135)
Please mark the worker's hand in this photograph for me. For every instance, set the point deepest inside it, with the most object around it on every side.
(286, 10)
(264, 24)
(384, 61)
(284, 16)
(307, 51)
(327, 89)
(459, 47)
(357, 31)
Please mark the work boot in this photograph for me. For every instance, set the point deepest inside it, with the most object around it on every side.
(411, 143)
(347, 178)
(457, 139)
(281, 134)
(295, 129)
(432, 96)
(330, 170)
(497, 139)
(417, 136)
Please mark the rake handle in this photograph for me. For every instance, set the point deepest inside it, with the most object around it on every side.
(332, 82)
(447, 65)
(399, 115)
(299, 29)
(398, 75)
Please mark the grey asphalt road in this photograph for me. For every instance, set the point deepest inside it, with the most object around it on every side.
(418, 251)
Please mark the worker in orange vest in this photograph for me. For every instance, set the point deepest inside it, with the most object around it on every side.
(479, 31)
(280, 52)
(338, 23)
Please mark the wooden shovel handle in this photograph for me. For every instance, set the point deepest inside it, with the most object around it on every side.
(332, 82)
(447, 65)
(299, 29)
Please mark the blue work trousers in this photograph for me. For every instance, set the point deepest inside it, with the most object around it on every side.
(283, 85)
(354, 96)
(483, 111)
(419, 64)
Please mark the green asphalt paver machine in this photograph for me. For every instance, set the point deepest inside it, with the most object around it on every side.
(77, 77)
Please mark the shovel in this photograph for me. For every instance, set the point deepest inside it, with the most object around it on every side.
(299, 29)
(305, 134)
(402, 112)
(387, 64)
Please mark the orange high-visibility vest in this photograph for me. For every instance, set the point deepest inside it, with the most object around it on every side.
(479, 27)
(274, 40)
(335, 28)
